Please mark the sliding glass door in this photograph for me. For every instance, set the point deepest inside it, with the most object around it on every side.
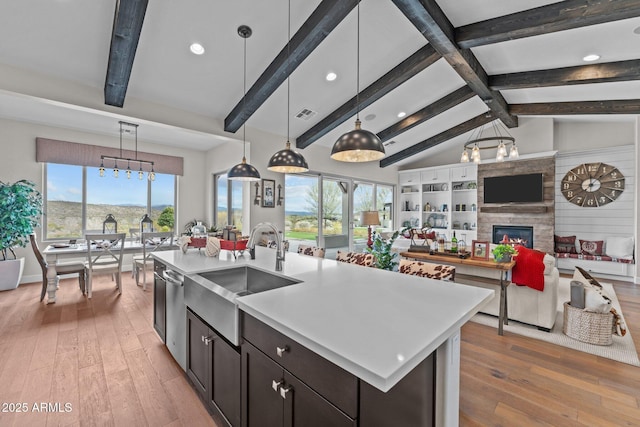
(325, 211)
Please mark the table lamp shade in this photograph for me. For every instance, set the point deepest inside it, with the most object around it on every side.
(370, 218)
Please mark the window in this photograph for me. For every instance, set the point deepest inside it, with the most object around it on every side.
(228, 201)
(77, 200)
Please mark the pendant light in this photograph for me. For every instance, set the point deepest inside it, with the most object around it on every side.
(287, 160)
(243, 171)
(359, 145)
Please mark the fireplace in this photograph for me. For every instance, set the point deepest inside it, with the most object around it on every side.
(515, 234)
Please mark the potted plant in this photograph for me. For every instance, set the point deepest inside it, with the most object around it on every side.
(503, 252)
(381, 249)
(20, 210)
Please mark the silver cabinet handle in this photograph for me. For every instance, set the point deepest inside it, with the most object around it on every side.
(284, 391)
(206, 340)
(281, 350)
(275, 385)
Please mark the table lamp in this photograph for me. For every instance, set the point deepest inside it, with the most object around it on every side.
(369, 218)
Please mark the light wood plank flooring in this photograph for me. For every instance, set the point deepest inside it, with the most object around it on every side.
(103, 358)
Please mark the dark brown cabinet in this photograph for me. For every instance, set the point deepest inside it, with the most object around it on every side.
(273, 397)
(159, 300)
(213, 366)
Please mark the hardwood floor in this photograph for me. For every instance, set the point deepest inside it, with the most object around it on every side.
(517, 381)
(102, 359)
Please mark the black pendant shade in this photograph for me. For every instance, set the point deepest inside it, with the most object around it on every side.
(243, 172)
(288, 161)
(359, 145)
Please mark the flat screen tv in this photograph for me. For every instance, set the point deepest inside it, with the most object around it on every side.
(514, 189)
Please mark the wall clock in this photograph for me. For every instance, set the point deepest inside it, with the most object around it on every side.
(590, 185)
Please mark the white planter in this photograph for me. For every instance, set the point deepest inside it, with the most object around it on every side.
(11, 273)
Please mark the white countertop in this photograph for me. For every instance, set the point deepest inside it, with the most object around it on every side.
(376, 324)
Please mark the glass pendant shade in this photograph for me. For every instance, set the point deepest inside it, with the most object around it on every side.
(243, 171)
(359, 145)
(513, 153)
(465, 156)
(288, 161)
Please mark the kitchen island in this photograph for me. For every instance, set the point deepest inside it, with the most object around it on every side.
(375, 325)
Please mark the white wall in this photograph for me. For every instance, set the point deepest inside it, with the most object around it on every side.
(573, 136)
(18, 147)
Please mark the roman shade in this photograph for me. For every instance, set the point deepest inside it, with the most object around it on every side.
(73, 153)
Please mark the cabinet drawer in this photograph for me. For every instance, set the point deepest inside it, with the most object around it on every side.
(327, 379)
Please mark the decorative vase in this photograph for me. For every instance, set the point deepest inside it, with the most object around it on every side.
(11, 273)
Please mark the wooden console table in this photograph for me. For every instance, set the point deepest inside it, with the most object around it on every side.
(503, 267)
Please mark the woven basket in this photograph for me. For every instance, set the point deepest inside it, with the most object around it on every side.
(585, 326)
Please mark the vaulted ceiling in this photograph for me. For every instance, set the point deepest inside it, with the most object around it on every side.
(450, 65)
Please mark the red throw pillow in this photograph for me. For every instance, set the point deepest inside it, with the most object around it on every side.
(529, 268)
(565, 244)
(591, 247)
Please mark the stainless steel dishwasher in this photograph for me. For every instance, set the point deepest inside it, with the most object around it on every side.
(176, 332)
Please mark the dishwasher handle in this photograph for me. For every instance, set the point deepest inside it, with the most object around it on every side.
(172, 277)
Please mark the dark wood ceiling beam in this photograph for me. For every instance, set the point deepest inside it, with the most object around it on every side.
(315, 29)
(621, 106)
(127, 26)
(564, 15)
(458, 130)
(429, 19)
(428, 112)
(595, 73)
(408, 68)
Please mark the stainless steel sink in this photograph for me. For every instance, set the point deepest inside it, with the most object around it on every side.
(212, 295)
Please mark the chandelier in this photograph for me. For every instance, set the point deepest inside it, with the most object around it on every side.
(505, 145)
(128, 128)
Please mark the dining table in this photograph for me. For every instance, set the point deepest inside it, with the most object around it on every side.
(58, 251)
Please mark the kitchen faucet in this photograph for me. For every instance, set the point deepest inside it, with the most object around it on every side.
(251, 245)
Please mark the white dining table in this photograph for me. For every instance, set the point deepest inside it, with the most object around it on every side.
(58, 251)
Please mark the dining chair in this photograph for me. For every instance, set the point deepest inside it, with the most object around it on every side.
(311, 251)
(61, 268)
(104, 256)
(363, 259)
(428, 269)
(151, 242)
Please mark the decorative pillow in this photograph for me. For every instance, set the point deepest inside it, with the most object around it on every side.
(596, 301)
(620, 247)
(591, 247)
(565, 245)
(529, 268)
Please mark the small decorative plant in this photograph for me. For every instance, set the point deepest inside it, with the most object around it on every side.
(20, 210)
(503, 252)
(381, 250)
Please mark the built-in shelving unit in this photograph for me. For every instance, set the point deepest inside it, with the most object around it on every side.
(442, 198)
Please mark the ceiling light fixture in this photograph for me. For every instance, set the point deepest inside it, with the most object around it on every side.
(196, 48)
(116, 171)
(331, 76)
(591, 57)
(478, 142)
(401, 114)
(243, 171)
(287, 160)
(358, 145)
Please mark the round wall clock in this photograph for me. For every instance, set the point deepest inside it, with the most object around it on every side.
(590, 185)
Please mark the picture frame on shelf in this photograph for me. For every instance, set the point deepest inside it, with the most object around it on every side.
(268, 193)
(480, 249)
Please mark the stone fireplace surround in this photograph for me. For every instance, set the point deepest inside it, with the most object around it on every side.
(539, 215)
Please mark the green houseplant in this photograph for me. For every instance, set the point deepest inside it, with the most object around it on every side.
(381, 249)
(20, 210)
(503, 252)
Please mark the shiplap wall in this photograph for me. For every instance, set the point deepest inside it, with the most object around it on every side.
(613, 219)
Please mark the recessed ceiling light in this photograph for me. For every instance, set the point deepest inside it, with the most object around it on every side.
(331, 76)
(196, 48)
(401, 114)
(590, 58)
(636, 31)
(369, 117)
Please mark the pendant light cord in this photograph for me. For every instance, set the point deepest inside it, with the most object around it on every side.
(288, 71)
(244, 103)
(358, 64)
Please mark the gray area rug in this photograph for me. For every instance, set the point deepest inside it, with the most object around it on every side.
(622, 349)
